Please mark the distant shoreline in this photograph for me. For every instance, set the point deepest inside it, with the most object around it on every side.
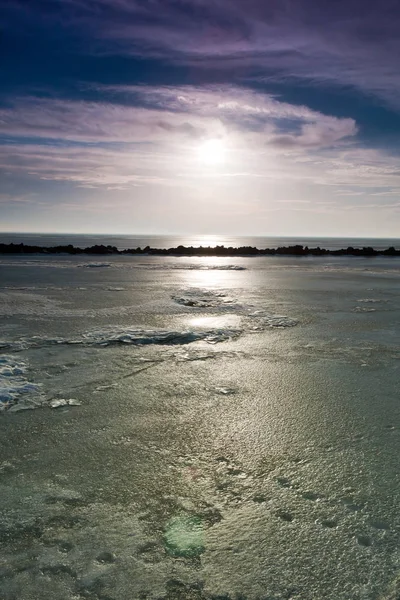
(101, 250)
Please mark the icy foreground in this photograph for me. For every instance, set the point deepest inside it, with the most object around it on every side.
(199, 433)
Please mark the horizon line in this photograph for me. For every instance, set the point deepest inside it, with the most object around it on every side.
(208, 235)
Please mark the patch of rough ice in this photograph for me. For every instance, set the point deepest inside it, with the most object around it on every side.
(266, 321)
(224, 391)
(141, 337)
(191, 355)
(16, 392)
(210, 329)
(128, 335)
(190, 267)
(13, 346)
(94, 265)
(194, 302)
(197, 298)
(41, 263)
(223, 268)
(102, 388)
(57, 402)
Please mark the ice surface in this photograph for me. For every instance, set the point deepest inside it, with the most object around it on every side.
(218, 451)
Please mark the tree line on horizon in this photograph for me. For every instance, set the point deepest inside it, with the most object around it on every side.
(296, 250)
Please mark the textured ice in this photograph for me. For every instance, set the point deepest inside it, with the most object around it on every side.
(16, 392)
(126, 264)
(12, 345)
(195, 354)
(355, 353)
(224, 391)
(194, 302)
(140, 337)
(209, 329)
(131, 336)
(94, 265)
(58, 402)
(189, 267)
(265, 321)
(195, 298)
(257, 320)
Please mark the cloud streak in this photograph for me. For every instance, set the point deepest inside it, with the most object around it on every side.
(154, 140)
(340, 43)
(166, 114)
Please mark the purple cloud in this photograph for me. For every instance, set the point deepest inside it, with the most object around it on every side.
(348, 43)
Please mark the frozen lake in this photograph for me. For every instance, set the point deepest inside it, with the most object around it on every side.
(190, 428)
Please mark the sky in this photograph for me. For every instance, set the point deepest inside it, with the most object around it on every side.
(243, 117)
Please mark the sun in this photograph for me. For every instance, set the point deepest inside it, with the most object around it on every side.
(212, 152)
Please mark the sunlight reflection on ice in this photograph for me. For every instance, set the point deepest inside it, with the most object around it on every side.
(215, 322)
(212, 272)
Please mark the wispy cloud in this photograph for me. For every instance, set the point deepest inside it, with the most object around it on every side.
(30, 198)
(341, 43)
(162, 114)
(127, 165)
(154, 139)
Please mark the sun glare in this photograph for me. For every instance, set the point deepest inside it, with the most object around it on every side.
(212, 152)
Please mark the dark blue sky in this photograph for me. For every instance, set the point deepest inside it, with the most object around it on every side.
(200, 116)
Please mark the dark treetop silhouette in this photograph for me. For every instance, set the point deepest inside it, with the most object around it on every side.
(296, 250)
